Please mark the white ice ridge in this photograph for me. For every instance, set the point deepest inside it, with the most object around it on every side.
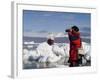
(31, 42)
(53, 53)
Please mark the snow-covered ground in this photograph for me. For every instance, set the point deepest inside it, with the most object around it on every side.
(33, 60)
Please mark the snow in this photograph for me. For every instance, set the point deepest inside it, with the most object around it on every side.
(53, 54)
(58, 50)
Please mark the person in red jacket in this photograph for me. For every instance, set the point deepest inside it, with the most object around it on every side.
(75, 43)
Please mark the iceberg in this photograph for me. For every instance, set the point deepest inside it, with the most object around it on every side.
(58, 53)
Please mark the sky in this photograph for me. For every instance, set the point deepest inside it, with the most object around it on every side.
(48, 21)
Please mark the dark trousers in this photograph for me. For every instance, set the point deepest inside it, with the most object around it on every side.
(80, 58)
(73, 59)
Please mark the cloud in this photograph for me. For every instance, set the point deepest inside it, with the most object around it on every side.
(61, 35)
(45, 34)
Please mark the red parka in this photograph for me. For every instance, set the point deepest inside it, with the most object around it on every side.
(75, 43)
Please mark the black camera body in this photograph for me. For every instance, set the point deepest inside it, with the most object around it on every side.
(67, 30)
